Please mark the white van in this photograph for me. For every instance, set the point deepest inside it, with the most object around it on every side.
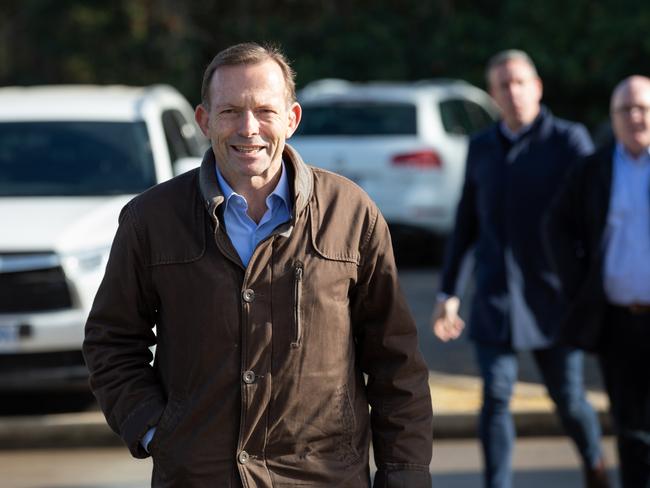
(70, 158)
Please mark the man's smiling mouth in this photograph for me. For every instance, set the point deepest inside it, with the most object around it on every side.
(247, 149)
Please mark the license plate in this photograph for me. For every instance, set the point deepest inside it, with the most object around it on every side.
(9, 334)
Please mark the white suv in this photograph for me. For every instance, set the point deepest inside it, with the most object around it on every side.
(70, 158)
(404, 143)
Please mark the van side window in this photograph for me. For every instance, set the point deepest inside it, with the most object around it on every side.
(180, 135)
(463, 117)
(454, 118)
(478, 117)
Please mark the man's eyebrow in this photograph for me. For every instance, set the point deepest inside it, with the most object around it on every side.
(226, 105)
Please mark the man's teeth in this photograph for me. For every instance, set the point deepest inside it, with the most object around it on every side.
(247, 149)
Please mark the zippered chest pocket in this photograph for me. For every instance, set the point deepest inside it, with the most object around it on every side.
(298, 272)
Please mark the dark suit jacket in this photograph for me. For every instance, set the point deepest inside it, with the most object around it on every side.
(574, 231)
(504, 197)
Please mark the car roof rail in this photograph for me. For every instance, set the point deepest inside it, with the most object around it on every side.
(325, 86)
(440, 81)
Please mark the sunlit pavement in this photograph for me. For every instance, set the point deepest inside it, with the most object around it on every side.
(539, 463)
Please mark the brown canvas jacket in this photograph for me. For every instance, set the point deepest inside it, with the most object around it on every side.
(259, 379)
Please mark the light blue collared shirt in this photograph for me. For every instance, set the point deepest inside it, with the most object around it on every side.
(244, 233)
(627, 237)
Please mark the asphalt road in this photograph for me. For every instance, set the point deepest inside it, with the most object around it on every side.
(538, 463)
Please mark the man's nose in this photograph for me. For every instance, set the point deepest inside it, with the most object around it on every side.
(513, 90)
(638, 113)
(248, 124)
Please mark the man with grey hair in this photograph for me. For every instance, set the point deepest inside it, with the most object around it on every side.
(283, 341)
(598, 233)
(513, 171)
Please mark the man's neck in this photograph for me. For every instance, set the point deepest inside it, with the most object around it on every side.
(256, 195)
(515, 128)
(636, 154)
(255, 190)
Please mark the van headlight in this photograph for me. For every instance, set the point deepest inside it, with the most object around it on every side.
(86, 261)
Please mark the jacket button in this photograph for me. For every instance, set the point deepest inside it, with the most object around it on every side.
(243, 457)
(248, 377)
(248, 295)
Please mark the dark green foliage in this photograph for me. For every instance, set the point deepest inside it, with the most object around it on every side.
(581, 48)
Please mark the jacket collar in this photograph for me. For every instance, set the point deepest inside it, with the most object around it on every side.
(541, 125)
(540, 128)
(303, 181)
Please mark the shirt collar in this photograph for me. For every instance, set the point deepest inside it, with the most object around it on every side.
(511, 135)
(226, 189)
(623, 155)
(281, 190)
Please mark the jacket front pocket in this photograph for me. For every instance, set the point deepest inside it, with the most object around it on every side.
(165, 428)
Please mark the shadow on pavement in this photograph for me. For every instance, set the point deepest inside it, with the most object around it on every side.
(557, 478)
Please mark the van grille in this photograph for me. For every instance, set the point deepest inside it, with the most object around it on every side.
(40, 360)
(32, 290)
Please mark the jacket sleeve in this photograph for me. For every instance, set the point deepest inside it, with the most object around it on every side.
(397, 385)
(563, 234)
(465, 230)
(118, 336)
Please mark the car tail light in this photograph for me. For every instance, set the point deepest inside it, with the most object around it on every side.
(420, 159)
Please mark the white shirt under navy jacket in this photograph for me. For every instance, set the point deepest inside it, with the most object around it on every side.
(627, 235)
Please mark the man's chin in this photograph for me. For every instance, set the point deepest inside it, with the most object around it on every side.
(641, 144)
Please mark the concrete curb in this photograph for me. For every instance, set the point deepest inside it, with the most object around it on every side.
(456, 402)
(527, 424)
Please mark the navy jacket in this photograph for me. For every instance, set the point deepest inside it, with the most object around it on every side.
(505, 195)
(575, 230)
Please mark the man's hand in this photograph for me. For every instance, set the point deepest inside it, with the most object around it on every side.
(445, 321)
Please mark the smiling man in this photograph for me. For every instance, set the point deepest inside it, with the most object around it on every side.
(283, 341)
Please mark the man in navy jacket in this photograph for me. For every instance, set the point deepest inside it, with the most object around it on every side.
(513, 171)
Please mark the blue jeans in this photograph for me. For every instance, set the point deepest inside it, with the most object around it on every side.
(561, 370)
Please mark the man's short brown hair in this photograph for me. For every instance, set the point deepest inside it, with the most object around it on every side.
(503, 57)
(248, 53)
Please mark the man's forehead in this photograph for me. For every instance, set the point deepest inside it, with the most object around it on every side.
(510, 68)
(258, 80)
(263, 70)
(632, 91)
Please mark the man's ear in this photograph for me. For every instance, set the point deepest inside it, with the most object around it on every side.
(295, 114)
(202, 117)
(540, 87)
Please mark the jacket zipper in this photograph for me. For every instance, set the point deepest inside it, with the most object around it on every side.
(297, 298)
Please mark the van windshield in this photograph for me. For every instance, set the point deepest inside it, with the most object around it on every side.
(358, 119)
(74, 158)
